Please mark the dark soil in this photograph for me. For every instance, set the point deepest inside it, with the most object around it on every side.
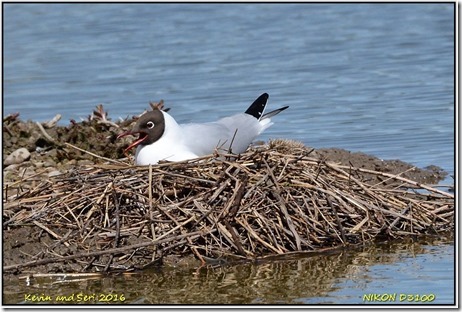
(49, 156)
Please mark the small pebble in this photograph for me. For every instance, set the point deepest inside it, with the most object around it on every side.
(12, 167)
(54, 173)
(48, 163)
(18, 156)
(85, 162)
(50, 168)
(71, 162)
(38, 164)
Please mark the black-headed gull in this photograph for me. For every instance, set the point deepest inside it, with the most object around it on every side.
(162, 138)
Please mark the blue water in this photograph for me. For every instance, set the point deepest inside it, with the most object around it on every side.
(401, 276)
(376, 78)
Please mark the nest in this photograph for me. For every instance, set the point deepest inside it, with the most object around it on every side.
(269, 201)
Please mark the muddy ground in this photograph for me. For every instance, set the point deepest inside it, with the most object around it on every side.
(45, 154)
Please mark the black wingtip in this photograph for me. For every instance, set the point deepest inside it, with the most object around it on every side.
(274, 113)
(258, 106)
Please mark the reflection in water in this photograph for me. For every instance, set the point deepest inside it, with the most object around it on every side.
(343, 277)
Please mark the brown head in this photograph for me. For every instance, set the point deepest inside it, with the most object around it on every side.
(149, 127)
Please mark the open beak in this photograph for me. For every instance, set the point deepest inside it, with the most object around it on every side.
(142, 136)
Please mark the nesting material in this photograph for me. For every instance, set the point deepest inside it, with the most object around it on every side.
(272, 200)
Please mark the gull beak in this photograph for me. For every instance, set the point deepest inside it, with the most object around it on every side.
(142, 136)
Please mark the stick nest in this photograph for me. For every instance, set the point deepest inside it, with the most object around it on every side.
(272, 200)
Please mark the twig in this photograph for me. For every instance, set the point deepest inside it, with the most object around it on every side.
(94, 155)
(40, 225)
(51, 123)
(46, 135)
(339, 224)
(397, 177)
(151, 210)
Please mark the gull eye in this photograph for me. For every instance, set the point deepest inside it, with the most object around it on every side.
(150, 124)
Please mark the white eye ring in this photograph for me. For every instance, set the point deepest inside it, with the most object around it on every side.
(150, 124)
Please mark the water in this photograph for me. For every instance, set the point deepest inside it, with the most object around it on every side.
(399, 269)
(365, 77)
(376, 78)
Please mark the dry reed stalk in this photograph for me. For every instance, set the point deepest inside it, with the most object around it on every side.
(263, 203)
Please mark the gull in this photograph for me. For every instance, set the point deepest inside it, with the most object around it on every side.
(160, 137)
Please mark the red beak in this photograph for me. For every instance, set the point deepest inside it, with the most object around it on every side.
(141, 138)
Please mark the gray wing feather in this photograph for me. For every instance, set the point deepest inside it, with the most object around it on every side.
(204, 139)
